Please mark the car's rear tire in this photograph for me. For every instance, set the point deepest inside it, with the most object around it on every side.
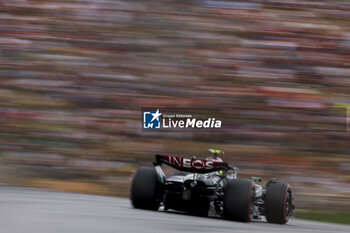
(239, 200)
(144, 189)
(278, 202)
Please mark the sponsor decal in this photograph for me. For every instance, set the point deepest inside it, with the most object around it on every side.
(190, 163)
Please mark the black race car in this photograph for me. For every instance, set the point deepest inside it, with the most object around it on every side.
(203, 185)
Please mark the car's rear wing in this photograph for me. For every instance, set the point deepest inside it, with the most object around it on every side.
(192, 165)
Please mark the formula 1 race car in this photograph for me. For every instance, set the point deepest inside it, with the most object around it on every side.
(201, 185)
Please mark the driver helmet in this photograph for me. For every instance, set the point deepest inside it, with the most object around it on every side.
(215, 155)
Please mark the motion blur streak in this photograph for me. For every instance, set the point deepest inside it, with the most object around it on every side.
(56, 212)
(76, 73)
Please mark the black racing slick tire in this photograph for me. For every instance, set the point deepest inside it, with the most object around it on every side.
(239, 200)
(144, 189)
(278, 202)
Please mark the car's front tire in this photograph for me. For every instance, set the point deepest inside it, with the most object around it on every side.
(278, 202)
(144, 189)
(239, 200)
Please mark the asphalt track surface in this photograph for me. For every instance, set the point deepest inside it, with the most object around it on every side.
(27, 210)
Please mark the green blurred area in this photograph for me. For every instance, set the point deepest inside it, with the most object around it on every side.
(75, 75)
(341, 217)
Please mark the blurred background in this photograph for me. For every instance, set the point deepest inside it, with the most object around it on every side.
(76, 73)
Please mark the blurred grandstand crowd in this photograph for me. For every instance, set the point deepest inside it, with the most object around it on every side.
(76, 73)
